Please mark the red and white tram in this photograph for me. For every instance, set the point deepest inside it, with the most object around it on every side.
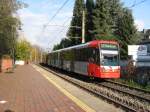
(97, 58)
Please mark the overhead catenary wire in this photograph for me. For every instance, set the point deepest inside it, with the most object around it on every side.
(45, 3)
(66, 26)
(63, 26)
(64, 30)
(56, 13)
(61, 29)
(137, 3)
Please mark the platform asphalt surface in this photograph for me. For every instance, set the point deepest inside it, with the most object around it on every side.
(26, 90)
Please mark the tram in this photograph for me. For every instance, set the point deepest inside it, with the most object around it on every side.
(98, 58)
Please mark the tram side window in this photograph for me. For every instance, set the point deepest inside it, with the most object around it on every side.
(83, 54)
(73, 54)
(97, 56)
(62, 55)
(68, 55)
(65, 55)
(87, 54)
(94, 55)
(90, 57)
(54, 56)
(77, 54)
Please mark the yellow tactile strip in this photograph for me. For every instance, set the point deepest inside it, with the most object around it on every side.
(73, 98)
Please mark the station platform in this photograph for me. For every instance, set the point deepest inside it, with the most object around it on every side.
(26, 90)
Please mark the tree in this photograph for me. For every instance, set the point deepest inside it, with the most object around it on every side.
(76, 21)
(37, 54)
(126, 31)
(8, 34)
(23, 49)
(63, 44)
(56, 47)
(105, 19)
(101, 20)
(9, 25)
(115, 8)
(89, 22)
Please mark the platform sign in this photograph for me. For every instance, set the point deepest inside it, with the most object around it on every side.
(137, 50)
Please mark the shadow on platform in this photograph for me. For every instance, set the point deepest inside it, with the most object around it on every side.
(9, 111)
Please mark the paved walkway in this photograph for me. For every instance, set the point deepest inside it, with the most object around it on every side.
(26, 90)
(85, 100)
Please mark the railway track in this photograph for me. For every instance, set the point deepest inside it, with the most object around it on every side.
(127, 102)
(130, 87)
(141, 94)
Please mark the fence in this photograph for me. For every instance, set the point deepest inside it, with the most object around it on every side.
(141, 73)
(5, 64)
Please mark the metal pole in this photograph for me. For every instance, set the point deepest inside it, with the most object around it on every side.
(13, 53)
(83, 26)
(41, 56)
(35, 55)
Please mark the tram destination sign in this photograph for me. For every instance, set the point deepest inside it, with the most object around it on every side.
(109, 46)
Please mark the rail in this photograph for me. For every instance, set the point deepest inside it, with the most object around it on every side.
(101, 92)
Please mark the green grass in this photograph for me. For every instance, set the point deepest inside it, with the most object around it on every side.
(133, 84)
(147, 87)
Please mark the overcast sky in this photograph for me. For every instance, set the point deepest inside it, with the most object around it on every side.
(40, 12)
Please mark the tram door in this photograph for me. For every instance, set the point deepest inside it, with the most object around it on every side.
(94, 61)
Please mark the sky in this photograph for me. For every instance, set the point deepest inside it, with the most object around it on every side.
(39, 12)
